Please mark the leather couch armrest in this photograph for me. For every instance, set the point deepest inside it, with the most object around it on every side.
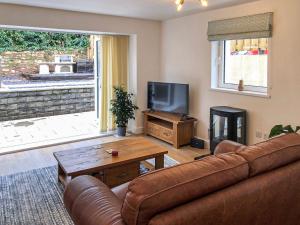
(91, 202)
(121, 191)
(228, 146)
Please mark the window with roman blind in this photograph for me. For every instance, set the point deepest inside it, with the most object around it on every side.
(240, 53)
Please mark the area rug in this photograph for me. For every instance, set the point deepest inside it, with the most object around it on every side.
(168, 161)
(35, 197)
(32, 198)
(149, 164)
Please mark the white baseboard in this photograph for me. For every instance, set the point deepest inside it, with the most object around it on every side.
(137, 130)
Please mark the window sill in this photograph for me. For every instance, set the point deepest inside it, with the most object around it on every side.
(248, 93)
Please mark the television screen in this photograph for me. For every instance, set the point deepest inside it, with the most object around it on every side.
(168, 97)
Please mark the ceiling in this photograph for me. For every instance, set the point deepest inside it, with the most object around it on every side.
(145, 9)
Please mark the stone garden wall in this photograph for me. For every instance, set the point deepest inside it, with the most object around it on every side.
(31, 104)
(27, 62)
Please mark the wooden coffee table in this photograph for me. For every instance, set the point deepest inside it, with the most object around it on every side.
(113, 171)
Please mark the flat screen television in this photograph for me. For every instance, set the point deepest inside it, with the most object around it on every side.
(168, 97)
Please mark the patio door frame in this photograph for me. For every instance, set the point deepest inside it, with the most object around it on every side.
(98, 77)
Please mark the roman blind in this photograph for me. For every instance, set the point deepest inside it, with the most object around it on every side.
(247, 27)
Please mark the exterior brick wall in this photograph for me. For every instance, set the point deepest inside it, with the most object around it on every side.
(27, 62)
(32, 104)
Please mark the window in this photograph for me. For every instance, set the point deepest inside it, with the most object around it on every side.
(243, 61)
(240, 53)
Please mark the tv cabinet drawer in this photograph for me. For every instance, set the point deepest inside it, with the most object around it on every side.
(167, 134)
(159, 131)
(153, 129)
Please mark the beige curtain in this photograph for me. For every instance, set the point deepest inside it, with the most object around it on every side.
(114, 72)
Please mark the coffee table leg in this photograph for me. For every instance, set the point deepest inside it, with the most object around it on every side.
(60, 173)
(63, 178)
(159, 162)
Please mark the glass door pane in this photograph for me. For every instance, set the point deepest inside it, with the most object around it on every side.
(240, 130)
(220, 127)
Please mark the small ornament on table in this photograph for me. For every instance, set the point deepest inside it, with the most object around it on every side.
(241, 85)
(114, 153)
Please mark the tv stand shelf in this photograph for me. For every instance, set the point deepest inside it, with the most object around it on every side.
(171, 128)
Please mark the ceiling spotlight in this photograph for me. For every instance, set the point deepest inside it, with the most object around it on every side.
(179, 4)
(179, 7)
(204, 3)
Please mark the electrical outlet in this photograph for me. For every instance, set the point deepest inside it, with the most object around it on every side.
(258, 134)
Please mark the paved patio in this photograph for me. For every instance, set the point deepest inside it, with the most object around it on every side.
(46, 131)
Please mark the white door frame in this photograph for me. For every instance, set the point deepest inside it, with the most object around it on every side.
(98, 78)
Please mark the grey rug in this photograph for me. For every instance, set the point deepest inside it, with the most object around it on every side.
(32, 198)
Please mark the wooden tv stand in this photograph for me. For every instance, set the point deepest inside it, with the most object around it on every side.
(169, 127)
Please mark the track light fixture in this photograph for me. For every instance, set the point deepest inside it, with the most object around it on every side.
(179, 3)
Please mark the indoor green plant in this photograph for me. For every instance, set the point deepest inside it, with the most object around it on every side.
(280, 129)
(122, 107)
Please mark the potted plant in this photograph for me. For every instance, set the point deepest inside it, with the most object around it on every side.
(280, 129)
(123, 109)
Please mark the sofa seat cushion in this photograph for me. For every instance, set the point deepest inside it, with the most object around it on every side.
(167, 188)
(272, 154)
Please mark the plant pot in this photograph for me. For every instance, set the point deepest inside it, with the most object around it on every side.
(121, 131)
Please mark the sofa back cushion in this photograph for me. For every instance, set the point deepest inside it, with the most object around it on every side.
(272, 154)
(167, 188)
(272, 198)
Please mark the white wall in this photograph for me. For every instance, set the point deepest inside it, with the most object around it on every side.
(178, 51)
(145, 33)
(186, 58)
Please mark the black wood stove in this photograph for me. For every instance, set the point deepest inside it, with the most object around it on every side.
(227, 123)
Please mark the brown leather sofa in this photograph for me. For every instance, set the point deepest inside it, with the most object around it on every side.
(240, 185)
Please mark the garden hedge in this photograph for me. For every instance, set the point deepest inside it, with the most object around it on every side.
(12, 40)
